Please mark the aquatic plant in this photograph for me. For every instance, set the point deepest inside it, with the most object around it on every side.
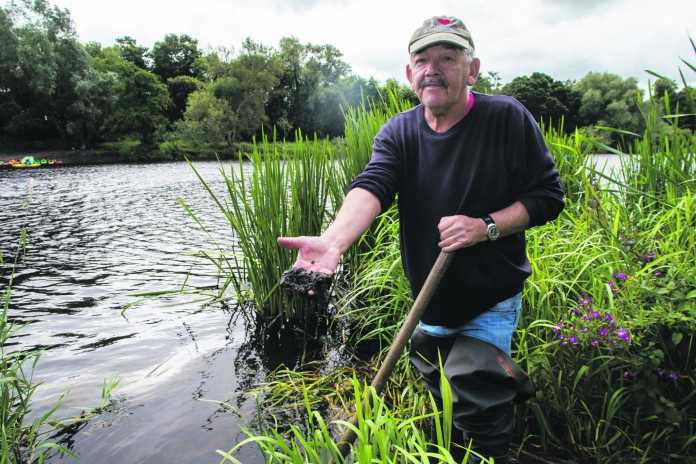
(384, 434)
(279, 193)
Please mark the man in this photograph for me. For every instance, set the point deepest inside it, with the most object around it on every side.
(472, 172)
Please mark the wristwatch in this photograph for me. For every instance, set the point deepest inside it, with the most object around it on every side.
(492, 231)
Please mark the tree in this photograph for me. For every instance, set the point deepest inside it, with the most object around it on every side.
(176, 55)
(142, 99)
(91, 112)
(232, 107)
(304, 69)
(208, 121)
(42, 62)
(403, 92)
(8, 62)
(686, 105)
(548, 100)
(609, 100)
(490, 83)
(180, 87)
(132, 52)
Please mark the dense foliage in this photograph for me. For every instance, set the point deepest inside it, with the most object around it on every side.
(176, 98)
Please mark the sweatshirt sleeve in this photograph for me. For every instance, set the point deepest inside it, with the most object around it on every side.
(537, 180)
(382, 175)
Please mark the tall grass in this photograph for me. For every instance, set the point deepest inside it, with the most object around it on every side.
(385, 434)
(662, 160)
(285, 193)
(572, 154)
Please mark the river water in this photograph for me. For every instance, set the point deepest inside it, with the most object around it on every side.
(96, 234)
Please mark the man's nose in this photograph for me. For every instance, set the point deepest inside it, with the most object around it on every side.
(432, 69)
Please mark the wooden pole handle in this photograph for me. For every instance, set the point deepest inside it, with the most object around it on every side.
(402, 338)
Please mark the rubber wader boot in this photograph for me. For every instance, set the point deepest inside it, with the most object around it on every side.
(485, 383)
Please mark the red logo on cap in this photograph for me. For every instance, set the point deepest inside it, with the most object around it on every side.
(443, 21)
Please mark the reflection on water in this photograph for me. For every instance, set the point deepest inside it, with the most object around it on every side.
(96, 234)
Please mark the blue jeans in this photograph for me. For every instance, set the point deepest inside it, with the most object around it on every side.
(495, 326)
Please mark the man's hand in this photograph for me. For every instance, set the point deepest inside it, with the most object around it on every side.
(314, 253)
(460, 232)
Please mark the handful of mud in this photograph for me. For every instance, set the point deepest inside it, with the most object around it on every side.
(306, 284)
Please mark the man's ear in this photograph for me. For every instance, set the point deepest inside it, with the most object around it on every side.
(474, 69)
(409, 73)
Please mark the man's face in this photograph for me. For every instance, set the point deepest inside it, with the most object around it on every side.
(440, 75)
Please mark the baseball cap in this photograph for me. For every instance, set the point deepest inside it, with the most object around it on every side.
(439, 29)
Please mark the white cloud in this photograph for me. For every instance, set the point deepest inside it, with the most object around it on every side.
(563, 38)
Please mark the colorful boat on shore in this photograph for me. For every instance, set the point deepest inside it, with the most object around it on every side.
(28, 162)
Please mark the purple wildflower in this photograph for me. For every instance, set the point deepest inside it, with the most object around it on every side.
(586, 300)
(573, 339)
(608, 317)
(596, 315)
(586, 317)
(564, 343)
(557, 328)
(649, 257)
(623, 335)
(594, 342)
(673, 376)
(626, 375)
(576, 312)
(659, 274)
(603, 331)
(620, 276)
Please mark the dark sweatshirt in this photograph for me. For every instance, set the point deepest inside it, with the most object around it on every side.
(493, 157)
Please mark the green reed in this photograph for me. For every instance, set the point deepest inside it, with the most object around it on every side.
(385, 434)
(662, 160)
(571, 152)
(281, 191)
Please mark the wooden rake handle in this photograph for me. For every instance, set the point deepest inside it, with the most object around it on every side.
(402, 338)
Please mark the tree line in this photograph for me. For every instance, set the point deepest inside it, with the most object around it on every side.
(56, 90)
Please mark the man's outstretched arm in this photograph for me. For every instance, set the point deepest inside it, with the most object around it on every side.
(323, 253)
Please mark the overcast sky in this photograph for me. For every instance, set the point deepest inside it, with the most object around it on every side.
(563, 38)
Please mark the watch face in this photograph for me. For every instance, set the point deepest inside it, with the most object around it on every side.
(492, 232)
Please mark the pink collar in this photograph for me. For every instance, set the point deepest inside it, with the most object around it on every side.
(469, 104)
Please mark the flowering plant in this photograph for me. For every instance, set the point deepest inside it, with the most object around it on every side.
(587, 326)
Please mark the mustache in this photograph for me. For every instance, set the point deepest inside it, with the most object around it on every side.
(437, 82)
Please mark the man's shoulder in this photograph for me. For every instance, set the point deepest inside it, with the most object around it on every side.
(404, 122)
